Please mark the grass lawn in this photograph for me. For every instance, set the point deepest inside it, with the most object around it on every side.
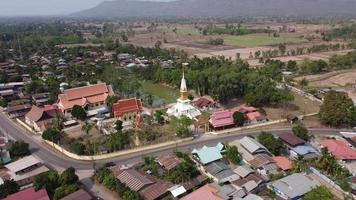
(253, 40)
(168, 95)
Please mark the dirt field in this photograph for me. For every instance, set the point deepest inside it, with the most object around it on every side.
(335, 79)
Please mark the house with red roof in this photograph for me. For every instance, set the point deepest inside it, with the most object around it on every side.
(207, 192)
(39, 118)
(91, 98)
(252, 114)
(222, 120)
(204, 103)
(29, 194)
(339, 149)
(255, 117)
(127, 109)
(283, 163)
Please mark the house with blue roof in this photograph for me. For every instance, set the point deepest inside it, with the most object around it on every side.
(206, 154)
(306, 151)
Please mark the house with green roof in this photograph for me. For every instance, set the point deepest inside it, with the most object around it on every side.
(206, 155)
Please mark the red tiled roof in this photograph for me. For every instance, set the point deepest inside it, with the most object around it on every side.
(206, 192)
(202, 102)
(245, 109)
(124, 106)
(80, 96)
(255, 116)
(339, 149)
(29, 194)
(291, 139)
(37, 114)
(283, 162)
(222, 118)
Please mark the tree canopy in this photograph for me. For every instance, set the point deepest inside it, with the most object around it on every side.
(239, 118)
(233, 155)
(8, 187)
(274, 145)
(300, 131)
(337, 109)
(79, 112)
(19, 149)
(320, 192)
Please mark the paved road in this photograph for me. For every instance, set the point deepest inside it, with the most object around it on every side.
(57, 160)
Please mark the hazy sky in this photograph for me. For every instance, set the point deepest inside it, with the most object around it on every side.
(46, 7)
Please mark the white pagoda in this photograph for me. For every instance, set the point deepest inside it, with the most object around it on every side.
(183, 106)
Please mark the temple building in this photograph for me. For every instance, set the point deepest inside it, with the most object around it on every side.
(183, 106)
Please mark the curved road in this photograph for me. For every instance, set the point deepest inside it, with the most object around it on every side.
(56, 159)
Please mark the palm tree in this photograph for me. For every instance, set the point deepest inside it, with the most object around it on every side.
(87, 127)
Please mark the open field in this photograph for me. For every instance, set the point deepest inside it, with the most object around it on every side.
(299, 106)
(160, 92)
(253, 40)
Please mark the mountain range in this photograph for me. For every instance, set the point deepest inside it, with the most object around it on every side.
(220, 8)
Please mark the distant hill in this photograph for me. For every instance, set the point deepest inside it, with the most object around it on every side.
(220, 8)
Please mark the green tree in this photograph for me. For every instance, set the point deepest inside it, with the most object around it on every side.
(232, 154)
(159, 116)
(337, 109)
(65, 190)
(300, 131)
(8, 187)
(130, 195)
(149, 99)
(184, 172)
(274, 145)
(87, 127)
(77, 148)
(68, 177)
(181, 126)
(51, 134)
(117, 141)
(79, 112)
(47, 180)
(19, 149)
(110, 102)
(320, 192)
(118, 126)
(239, 118)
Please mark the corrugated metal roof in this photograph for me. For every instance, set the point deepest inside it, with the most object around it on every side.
(22, 163)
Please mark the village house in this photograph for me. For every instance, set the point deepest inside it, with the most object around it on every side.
(293, 186)
(18, 111)
(78, 195)
(127, 110)
(264, 164)
(220, 172)
(205, 192)
(39, 118)
(206, 155)
(249, 148)
(92, 98)
(252, 114)
(204, 103)
(40, 98)
(25, 169)
(340, 150)
(29, 194)
(222, 120)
